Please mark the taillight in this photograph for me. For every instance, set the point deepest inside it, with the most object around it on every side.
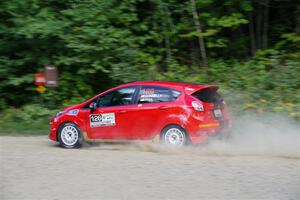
(197, 106)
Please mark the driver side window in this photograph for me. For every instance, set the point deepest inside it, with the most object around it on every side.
(123, 96)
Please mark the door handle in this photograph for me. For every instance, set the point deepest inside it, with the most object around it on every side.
(122, 111)
(163, 107)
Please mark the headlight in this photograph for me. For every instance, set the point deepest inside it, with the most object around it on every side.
(59, 113)
(73, 112)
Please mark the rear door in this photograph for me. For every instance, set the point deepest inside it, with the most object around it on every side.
(154, 105)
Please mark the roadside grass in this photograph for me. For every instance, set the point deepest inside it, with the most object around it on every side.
(38, 127)
(28, 120)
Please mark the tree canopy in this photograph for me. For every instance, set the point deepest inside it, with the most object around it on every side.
(249, 47)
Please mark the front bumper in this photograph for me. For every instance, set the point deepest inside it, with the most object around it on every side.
(53, 129)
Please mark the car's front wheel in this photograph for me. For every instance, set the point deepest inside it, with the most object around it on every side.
(174, 135)
(69, 136)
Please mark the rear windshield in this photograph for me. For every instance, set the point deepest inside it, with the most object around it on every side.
(208, 95)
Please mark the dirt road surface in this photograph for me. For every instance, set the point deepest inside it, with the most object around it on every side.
(35, 168)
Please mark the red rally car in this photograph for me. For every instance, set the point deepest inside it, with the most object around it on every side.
(179, 113)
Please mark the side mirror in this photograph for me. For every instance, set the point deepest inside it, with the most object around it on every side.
(93, 106)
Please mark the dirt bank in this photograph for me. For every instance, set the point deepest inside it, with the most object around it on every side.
(35, 168)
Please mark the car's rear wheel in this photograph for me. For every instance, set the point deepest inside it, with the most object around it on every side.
(69, 136)
(174, 135)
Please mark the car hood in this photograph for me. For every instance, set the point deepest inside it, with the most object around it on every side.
(76, 106)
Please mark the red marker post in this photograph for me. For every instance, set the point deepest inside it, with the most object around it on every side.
(48, 79)
(40, 79)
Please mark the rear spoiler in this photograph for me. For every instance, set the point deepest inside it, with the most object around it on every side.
(190, 89)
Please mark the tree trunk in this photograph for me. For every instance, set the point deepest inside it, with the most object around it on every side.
(258, 26)
(199, 30)
(252, 34)
(297, 16)
(265, 25)
(168, 24)
(168, 48)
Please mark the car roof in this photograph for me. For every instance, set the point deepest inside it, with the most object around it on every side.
(166, 83)
(187, 86)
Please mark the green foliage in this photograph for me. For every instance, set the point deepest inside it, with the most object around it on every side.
(260, 86)
(233, 20)
(263, 86)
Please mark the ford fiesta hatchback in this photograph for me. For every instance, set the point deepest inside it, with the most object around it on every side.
(179, 113)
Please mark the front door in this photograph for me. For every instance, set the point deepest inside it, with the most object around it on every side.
(109, 120)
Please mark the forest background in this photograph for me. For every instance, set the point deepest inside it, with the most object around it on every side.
(248, 47)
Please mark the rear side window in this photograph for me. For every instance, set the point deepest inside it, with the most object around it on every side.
(152, 94)
(208, 95)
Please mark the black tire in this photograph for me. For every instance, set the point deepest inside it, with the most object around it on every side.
(69, 136)
(174, 139)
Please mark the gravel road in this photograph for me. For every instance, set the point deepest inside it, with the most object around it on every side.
(35, 168)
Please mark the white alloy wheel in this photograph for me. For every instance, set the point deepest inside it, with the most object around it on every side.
(174, 136)
(69, 135)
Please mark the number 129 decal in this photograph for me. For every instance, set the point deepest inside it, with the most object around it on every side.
(107, 119)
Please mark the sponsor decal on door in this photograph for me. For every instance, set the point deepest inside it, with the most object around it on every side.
(107, 119)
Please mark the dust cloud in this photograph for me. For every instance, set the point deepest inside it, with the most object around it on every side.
(259, 135)
(251, 135)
